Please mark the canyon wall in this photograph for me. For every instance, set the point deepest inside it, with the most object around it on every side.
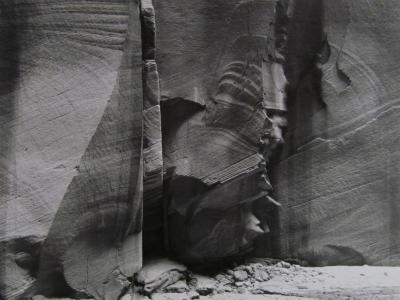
(175, 109)
(338, 178)
(71, 135)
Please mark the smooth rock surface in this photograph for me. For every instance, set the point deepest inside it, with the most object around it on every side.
(176, 108)
(338, 179)
(71, 130)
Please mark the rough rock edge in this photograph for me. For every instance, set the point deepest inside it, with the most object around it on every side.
(152, 136)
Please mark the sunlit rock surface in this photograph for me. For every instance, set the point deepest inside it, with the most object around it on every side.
(176, 109)
(71, 118)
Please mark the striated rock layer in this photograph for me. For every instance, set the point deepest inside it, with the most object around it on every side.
(71, 130)
(339, 176)
(174, 110)
(223, 106)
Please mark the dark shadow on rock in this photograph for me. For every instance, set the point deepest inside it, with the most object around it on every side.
(305, 40)
(9, 76)
(174, 113)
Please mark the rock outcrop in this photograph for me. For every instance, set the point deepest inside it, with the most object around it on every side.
(71, 130)
(223, 109)
(338, 178)
(165, 119)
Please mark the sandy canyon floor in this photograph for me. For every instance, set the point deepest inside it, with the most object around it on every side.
(281, 280)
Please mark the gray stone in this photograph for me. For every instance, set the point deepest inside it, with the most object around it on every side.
(205, 285)
(240, 275)
(178, 287)
(239, 283)
(261, 275)
(84, 146)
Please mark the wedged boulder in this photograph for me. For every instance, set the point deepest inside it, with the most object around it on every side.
(223, 108)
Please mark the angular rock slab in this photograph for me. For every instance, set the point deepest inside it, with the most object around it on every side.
(60, 61)
(94, 243)
(219, 75)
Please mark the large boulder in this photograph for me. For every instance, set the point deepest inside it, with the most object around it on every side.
(222, 102)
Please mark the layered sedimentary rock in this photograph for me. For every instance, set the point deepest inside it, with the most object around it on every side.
(222, 93)
(338, 180)
(152, 136)
(177, 108)
(71, 130)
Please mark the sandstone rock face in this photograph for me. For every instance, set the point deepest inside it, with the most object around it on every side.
(170, 113)
(71, 131)
(338, 179)
(215, 150)
(222, 94)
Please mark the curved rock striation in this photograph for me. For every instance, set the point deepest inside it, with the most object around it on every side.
(71, 128)
(165, 119)
(338, 179)
(223, 109)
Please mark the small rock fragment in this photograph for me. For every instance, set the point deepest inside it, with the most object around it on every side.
(247, 283)
(223, 279)
(177, 287)
(205, 286)
(157, 274)
(239, 283)
(261, 275)
(240, 275)
(249, 270)
(284, 271)
(227, 289)
(220, 277)
(204, 291)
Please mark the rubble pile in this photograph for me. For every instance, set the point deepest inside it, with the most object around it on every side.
(247, 278)
(259, 280)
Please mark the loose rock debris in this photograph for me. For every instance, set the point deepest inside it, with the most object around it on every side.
(239, 279)
(262, 279)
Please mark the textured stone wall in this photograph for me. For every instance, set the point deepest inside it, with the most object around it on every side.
(71, 135)
(176, 108)
(338, 179)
